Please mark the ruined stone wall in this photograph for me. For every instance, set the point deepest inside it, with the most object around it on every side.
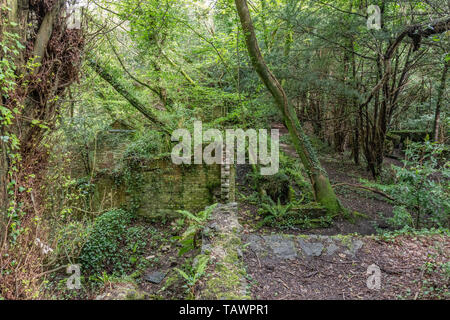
(225, 277)
(163, 186)
(170, 187)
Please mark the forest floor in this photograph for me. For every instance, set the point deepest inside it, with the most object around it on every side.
(319, 263)
(301, 269)
(293, 264)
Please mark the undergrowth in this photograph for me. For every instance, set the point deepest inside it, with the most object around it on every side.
(114, 246)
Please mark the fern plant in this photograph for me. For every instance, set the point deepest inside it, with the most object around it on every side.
(274, 212)
(194, 274)
(189, 239)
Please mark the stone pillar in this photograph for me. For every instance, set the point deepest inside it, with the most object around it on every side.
(225, 173)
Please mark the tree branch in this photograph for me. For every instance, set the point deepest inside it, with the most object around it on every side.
(105, 75)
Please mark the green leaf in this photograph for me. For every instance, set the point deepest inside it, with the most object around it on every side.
(183, 274)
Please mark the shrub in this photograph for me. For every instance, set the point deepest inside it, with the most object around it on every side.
(294, 215)
(276, 186)
(189, 239)
(113, 246)
(421, 187)
(193, 273)
(401, 218)
(70, 239)
(274, 212)
(148, 144)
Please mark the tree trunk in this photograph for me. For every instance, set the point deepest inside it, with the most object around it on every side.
(105, 75)
(437, 114)
(35, 103)
(322, 188)
(3, 186)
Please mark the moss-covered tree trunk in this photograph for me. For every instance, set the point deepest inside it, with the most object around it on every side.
(3, 184)
(437, 113)
(324, 193)
(127, 95)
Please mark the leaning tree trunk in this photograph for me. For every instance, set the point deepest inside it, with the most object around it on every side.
(127, 95)
(3, 184)
(322, 188)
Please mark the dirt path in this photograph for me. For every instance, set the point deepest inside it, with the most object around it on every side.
(297, 268)
(341, 170)
(328, 263)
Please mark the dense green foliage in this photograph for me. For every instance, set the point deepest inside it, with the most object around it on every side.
(361, 96)
(189, 240)
(421, 187)
(113, 245)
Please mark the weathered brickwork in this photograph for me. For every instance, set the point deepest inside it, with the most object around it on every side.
(170, 187)
(164, 187)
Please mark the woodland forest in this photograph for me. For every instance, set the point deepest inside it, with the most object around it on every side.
(353, 98)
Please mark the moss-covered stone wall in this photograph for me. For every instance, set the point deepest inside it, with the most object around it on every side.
(162, 188)
(168, 187)
(153, 187)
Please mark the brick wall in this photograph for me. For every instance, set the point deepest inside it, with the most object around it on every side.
(165, 187)
(170, 187)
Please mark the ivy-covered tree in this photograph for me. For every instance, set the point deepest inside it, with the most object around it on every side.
(40, 59)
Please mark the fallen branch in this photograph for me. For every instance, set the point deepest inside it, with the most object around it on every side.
(366, 188)
(49, 271)
(391, 156)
